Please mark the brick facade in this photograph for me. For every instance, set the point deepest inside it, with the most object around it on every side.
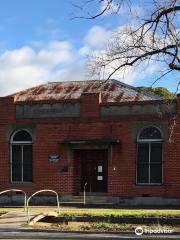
(49, 135)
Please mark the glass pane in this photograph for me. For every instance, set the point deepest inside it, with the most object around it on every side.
(150, 133)
(156, 173)
(16, 163)
(27, 163)
(143, 153)
(22, 136)
(143, 173)
(156, 152)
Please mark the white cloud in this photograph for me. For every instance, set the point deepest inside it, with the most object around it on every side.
(75, 72)
(58, 61)
(56, 52)
(97, 37)
(85, 50)
(95, 41)
(24, 67)
(137, 74)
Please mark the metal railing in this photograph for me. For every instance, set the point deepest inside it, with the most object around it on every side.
(85, 194)
(17, 190)
(44, 190)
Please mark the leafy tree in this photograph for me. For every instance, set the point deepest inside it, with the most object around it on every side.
(160, 91)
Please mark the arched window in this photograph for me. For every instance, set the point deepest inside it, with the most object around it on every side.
(21, 156)
(149, 156)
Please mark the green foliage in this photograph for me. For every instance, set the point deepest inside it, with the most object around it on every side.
(110, 213)
(102, 226)
(160, 91)
(106, 227)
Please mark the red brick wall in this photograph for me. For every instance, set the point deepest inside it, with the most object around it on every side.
(121, 170)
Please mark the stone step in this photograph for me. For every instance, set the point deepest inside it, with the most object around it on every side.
(87, 205)
(89, 199)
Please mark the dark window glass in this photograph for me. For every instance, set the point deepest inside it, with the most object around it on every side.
(150, 133)
(21, 157)
(143, 152)
(143, 173)
(22, 136)
(156, 163)
(149, 157)
(156, 173)
(156, 152)
(16, 163)
(27, 163)
(22, 163)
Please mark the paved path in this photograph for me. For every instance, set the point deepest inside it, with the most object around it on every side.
(13, 220)
(81, 236)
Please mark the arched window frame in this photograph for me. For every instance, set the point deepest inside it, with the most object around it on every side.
(149, 142)
(21, 144)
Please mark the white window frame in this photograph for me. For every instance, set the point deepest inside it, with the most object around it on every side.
(22, 144)
(149, 141)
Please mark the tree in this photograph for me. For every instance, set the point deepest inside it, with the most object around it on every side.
(160, 91)
(154, 38)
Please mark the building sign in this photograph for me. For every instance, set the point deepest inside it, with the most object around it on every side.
(54, 158)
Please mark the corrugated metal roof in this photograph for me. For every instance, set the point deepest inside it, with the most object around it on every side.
(111, 91)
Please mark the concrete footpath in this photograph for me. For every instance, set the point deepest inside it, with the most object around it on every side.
(14, 220)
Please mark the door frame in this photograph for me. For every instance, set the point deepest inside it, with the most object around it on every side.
(95, 184)
(71, 157)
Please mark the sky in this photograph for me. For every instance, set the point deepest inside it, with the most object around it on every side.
(41, 42)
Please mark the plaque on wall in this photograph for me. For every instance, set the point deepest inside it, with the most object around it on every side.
(54, 158)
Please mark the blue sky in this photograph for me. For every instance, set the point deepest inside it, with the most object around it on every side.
(39, 42)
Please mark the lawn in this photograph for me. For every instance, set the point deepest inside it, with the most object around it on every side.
(72, 212)
(102, 227)
(109, 220)
(104, 219)
(120, 212)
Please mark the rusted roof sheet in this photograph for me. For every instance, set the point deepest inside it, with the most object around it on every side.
(111, 91)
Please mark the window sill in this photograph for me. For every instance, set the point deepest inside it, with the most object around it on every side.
(149, 185)
(22, 183)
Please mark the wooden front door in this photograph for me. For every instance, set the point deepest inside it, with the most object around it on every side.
(94, 167)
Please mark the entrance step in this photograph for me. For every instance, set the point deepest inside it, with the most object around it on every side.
(90, 200)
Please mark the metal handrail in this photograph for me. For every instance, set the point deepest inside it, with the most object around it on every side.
(85, 194)
(17, 190)
(44, 190)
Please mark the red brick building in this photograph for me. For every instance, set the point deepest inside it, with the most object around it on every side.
(119, 142)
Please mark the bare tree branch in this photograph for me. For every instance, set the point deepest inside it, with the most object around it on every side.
(107, 5)
(156, 39)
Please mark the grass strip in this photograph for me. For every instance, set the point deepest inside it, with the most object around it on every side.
(138, 213)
